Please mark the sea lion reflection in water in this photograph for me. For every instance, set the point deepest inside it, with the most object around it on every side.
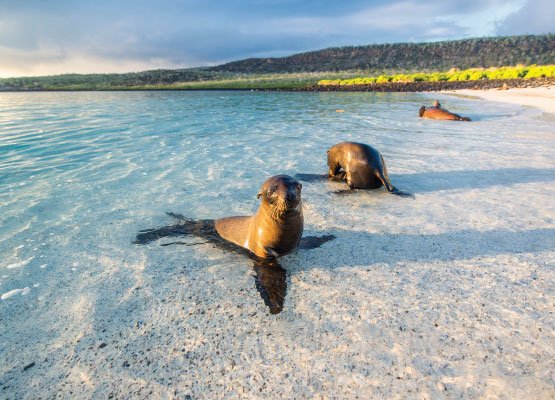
(436, 112)
(275, 230)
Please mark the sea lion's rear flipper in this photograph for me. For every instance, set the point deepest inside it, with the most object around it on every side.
(204, 229)
(383, 176)
(457, 117)
(421, 111)
(271, 282)
(186, 227)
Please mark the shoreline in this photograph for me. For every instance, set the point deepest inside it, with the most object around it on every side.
(538, 93)
(542, 98)
(421, 86)
(438, 86)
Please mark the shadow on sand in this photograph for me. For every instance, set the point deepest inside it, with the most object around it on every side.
(271, 278)
(346, 191)
(472, 179)
(389, 248)
(451, 180)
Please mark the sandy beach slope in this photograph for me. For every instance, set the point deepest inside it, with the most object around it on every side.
(539, 97)
(447, 296)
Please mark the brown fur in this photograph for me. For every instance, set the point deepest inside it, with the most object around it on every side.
(277, 226)
(436, 112)
(361, 166)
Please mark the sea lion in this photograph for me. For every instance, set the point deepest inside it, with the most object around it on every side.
(277, 226)
(270, 278)
(361, 166)
(436, 112)
(273, 231)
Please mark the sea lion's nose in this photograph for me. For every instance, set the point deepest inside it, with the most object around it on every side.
(290, 196)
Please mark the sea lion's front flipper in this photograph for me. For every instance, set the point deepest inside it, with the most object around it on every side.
(402, 193)
(271, 252)
(271, 282)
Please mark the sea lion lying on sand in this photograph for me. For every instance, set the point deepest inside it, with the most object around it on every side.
(436, 112)
(361, 166)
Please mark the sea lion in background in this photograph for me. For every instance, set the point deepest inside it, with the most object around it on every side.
(436, 112)
(277, 226)
(361, 166)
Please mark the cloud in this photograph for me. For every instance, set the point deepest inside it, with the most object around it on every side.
(18, 63)
(534, 17)
(38, 37)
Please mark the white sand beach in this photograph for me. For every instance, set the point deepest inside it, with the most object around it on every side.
(539, 97)
(450, 295)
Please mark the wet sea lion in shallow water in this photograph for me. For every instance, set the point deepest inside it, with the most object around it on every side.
(280, 216)
(436, 112)
(277, 226)
(361, 166)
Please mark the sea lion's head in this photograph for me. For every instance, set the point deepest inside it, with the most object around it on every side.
(282, 193)
(436, 104)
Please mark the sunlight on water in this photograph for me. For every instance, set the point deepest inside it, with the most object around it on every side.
(81, 173)
(431, 287)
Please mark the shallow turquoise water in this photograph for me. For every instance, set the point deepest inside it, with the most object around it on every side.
(429, 289)
(80, 173)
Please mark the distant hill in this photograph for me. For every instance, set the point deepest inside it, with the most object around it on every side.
(107, 81)
(400, 57)
(439, 56)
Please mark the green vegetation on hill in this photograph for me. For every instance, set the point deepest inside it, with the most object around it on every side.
(386, 62)
(410, 57)
(214, 81)
(111, 81)
(472, 74)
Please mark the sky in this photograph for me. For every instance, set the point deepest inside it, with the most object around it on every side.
(40, 37)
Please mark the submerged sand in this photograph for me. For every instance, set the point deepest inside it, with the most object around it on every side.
(450, 295)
